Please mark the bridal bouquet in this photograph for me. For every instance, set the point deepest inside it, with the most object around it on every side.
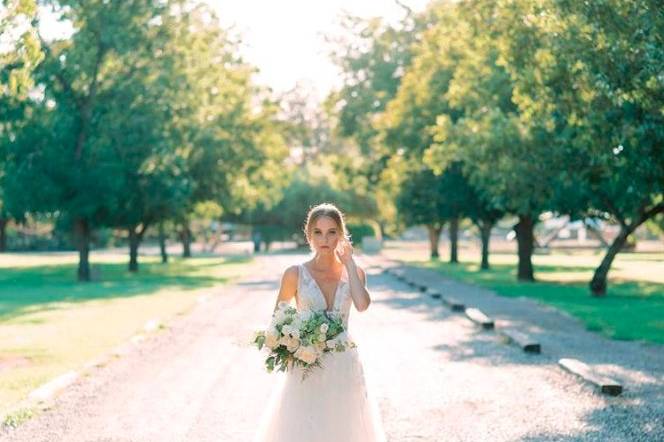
(301, 338)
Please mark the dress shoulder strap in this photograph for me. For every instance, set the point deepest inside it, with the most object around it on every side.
(299, 277)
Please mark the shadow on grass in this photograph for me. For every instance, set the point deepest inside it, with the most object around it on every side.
(40, 288)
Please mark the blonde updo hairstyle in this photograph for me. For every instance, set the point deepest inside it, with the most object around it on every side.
(324, 209)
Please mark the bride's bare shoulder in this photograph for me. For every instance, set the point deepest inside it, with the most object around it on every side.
(291, 274)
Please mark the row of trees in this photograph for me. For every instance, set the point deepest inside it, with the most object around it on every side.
(143, 113)
(145, 116)
(482, 108)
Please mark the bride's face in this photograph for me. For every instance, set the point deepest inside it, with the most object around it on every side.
(325, 235)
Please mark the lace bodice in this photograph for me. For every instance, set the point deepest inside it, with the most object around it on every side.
(310, 296)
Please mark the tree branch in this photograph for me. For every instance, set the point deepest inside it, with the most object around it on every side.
(66, 85)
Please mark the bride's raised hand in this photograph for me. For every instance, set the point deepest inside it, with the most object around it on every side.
(344, 251)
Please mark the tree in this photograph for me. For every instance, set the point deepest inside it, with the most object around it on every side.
(206, 144)
(75, 161)
(509, 164)
(421, 201)
(372, 57)
(592, 86)
(20, 54)
(147, 111)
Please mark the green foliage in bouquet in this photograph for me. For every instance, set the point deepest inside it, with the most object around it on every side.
(301, 338)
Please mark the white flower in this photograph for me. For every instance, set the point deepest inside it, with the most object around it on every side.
(284, 340)
(331, 343)
(293, 344)
(297, 323)
(272, 338)
(335, 315)
(306, 315)
(289, 330)
(279, 317)
(306, 354)
(324, 327)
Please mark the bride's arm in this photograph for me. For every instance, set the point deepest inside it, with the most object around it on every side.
(288, 285)
(357, 279)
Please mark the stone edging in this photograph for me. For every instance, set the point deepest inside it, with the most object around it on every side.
(528, 344)
(43, 396)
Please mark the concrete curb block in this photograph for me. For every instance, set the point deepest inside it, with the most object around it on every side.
(98, 362)
(527, 344)
(42, 397)
(605, 384)
(152, 325)
(411, 283)
(454, 304)
(478, 317)
(397, 272)
(49, 389)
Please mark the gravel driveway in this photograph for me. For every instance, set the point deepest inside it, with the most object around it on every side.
(436, 375)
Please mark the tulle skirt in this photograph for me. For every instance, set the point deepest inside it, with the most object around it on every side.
(332, 404)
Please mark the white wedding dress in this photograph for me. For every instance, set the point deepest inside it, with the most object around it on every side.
(332, 404)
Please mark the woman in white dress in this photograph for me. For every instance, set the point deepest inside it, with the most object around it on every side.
(332, 404)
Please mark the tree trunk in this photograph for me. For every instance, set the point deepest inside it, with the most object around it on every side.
(162, 243)
(485, 235)
(454, 240)
(525, 241)
(434, 239)
(3, 234)
(599, 282)
(381, 224)
(82, 240)
(134, 242)
(185, 236)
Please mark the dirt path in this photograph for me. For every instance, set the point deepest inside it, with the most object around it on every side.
(436, 377)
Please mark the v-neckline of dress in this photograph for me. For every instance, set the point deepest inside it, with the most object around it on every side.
(320, 291)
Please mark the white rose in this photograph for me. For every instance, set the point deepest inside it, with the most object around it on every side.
(331, 343)
(324, 328)
(293, 344)
(279, 317)
(284, 340)
(307, 354)
(296, 323)
(272, 340)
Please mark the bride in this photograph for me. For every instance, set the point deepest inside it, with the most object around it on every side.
(332, 404)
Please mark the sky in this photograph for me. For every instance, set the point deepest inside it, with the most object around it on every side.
(285, 39)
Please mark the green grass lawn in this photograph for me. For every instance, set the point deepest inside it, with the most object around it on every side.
(633, 309)
(50, 324)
